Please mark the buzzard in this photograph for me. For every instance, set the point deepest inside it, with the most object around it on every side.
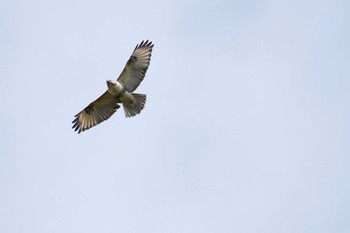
(119, 92)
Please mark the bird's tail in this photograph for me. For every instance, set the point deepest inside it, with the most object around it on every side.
(132, 108)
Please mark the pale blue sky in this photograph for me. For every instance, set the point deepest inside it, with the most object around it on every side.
(246, 126)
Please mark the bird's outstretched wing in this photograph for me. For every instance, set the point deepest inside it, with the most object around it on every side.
(136, 67)
(96, 112)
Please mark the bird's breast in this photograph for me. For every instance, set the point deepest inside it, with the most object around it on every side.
(115, 89)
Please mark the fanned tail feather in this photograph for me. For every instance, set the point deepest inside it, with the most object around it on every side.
(135, 108)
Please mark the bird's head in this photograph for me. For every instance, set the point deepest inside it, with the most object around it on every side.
(111, 82)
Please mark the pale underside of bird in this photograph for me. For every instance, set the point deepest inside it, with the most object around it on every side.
(119, 92)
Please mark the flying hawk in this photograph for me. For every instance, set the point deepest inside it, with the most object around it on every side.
(119, 91)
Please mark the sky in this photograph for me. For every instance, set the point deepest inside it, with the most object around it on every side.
(245, 129)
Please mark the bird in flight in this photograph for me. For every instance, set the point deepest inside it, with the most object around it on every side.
(119, 92)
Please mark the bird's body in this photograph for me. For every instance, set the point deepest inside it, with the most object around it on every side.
(119, 91)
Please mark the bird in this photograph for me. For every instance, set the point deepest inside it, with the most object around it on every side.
(120, 91)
